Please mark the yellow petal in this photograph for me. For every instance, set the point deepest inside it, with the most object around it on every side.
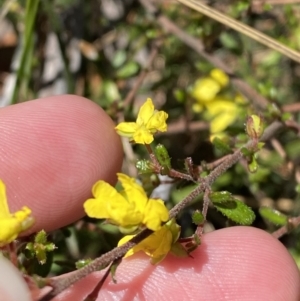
(9, 230)
(174, 229)
(155, 213)
(126, 129)
(107, 199)
(162, 240)
(157, 122)
(145, 113)
(4, 210)
(197, 107)
(205, 90)
(133, 250)
(223, 113)
(12, 226)
(24, 218)
(143, 136)
(220, 76)
(135, 193)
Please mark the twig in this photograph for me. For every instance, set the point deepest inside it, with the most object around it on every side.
(275, 2)
(59, 284)
(212, 165)
(180, 126)
(293, 223)
(292, 107)
(206, 202)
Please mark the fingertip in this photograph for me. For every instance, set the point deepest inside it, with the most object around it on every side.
(53, 150)
(238, 263)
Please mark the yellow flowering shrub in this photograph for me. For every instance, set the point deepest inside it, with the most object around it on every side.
(12, 224)
(129, 208)
(148, 122)
(221, 111)
(158, 244)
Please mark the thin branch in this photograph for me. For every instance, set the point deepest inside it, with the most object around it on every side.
(293, 223)
(59, 284)
(292, 107)
(206, 202)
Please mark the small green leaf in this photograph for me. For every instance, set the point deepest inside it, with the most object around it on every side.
(82, 263)
(286, 116)
(163, 158)
(253, 166)
(222, 146)
(110, 91)
(178, 250)
(144, 166)
(236, 211)
(273, 216)
(179, 95)
(260, 145)
(220, 196)
(197, 239)
(128, 70)
(197, 217)
(41, 237)
(113, 270)
(245, 151)
(158, 259)
(119, 58)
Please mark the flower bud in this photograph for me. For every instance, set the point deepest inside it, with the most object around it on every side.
(254, 126)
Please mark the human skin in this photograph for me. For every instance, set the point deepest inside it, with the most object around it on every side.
(52, 152)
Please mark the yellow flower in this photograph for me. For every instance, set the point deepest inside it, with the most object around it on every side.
(149, 121)
(129, 208)
(219, 110)
(206, 89)
(222, 112)
(159, 243)
(11, 224)
(219, 76)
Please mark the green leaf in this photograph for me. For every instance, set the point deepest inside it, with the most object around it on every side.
(113, 270)
(110, 91)
(220, 196)
(273, 216)
(253, 166)
(128, 70)
(246, 152)
(178, 250)
(82, 263)
(179, 95)
(41, 237)
(236, 211)
(197, 217)
(144, 166)
(119, 58)
(222, 146)
(163, 158)
(197, 239)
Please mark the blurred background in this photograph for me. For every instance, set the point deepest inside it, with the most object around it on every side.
(206, 76)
